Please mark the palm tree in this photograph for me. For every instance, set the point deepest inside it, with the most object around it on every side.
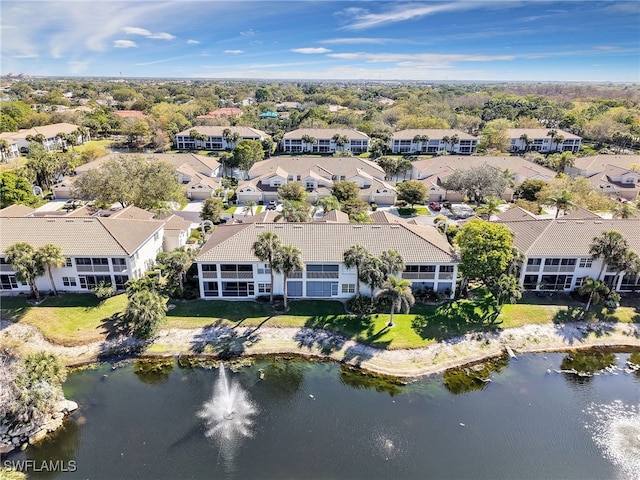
(398, 291)
(562, 201)
(372, 273)
(420, 140)
(446, 141)
(506, 289)
(22, 258)
(177, 263)
(340, 140)
(309, 141)
(329, 203)
(552, 133)
(489, 207)
(287, 260)
(453, 141)
(250, 204)
(527, 141)
(392, 262)
(266, 248)
(596, 290)
(623, 210)
(234, 138)
(226, 133)
(355, 256)
(50, 255)
(145, 311)
(559, 141)
(611, 246)
(295, 212)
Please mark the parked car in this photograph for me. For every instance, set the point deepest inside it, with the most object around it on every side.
(435, 206)
(272, 205)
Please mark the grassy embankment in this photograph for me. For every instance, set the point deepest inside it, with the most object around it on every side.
(74, 319)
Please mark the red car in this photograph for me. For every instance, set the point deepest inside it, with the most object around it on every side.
(435, 206)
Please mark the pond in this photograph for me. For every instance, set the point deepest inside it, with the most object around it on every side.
(538, 416)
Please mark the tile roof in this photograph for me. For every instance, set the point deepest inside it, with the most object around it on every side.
(447, 164)
(326, 167)
(598, 163)
(432, 133)
(325, 133)
(561, 237)
(335, 216)
(515, 214)
(326, 242)
(79, 236)
(129, 113)
(381, 216)
(16, 211)
(49, 131)
(223, 112)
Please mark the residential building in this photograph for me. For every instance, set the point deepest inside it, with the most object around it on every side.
(51, 133)
(12, 149)
(227, 267)
(615, 175)
(317, 175)
(216, 137)
(325, 140)
(543, 140)
(556, 252)
(432, 141)
(199, 174)
(96, 250)
(433, 172)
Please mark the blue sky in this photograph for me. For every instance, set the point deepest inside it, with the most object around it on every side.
(429, 40)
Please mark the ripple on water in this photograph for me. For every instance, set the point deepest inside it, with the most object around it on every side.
(615, 429)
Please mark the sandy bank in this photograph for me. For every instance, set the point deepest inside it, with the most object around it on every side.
(304, 341)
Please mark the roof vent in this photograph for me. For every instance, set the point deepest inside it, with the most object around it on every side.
(580, 221)
(561, 221)
(597, 222)
(357, 226)
(394, 226)
(376, 226)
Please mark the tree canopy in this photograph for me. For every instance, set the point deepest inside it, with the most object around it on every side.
(477, 182)
(132, 180)
(485, 249)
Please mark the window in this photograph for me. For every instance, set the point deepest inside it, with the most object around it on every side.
(119, 264)
(90, 281)
(585, 262)
(68, 262)
(264, 288)
(323, 271)
(322, 289)
(120, 280)
(348, 288)
(69, 281)
(210, 289)
(7, 282)
(264, 269)
(294, 289)
(446, 268)
(207, 267)
(530, 282)
(237, 289)
(580, 281)
(420, 268)
(534, 261)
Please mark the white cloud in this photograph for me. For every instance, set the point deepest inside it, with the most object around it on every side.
(248, 33)
(124, 44)
(234, 52)
(605, 47)
(359, 41)
(432, 59)
(146, 33)
(192, 42)
(76, 67)
(364, 19)
(311, 50)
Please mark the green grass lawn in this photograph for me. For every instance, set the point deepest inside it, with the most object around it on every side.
(231, 210)
(97, 143)
(73, 319)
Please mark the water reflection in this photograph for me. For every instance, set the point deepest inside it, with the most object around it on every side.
(62, 446)
(153, 372)
(475, 377)
(634, 363)
(283, 378)
(579, 367)
(356, 378)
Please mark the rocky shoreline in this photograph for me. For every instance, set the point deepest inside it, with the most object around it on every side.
(22, 435)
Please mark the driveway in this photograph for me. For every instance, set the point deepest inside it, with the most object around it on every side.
(51, 206)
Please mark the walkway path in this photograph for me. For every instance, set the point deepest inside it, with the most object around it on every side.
(304, 341)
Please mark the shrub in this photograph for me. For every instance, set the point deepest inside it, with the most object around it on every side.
(103, 290)
(374, 206)
(362, 305)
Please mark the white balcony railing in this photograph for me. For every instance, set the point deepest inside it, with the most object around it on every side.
(210, 274)
(236, 274)
(419, 275)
